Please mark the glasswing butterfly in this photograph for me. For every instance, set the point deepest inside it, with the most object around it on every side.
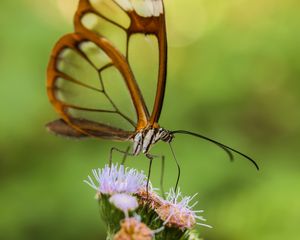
(78, 64)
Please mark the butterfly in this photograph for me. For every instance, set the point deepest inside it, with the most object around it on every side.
(89, 49)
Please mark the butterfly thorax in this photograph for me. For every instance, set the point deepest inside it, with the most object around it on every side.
(145, 138)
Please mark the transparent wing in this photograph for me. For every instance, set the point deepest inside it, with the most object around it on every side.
(90, 82)
(77, 83)
(123, 22)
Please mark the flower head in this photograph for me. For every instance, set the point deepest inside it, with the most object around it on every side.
(150, 197)
(176, 211)
(124, 202)
(117, 179)
(131, 228)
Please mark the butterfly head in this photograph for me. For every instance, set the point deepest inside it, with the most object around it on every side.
(146, 138)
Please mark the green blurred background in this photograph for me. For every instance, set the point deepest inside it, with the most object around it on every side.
(234, 70)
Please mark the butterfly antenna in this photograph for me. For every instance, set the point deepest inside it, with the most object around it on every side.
(227, 149)
(178, 167)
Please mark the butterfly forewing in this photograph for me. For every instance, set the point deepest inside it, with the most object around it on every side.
(111, 11)
(113, 33)
(143, 58)
(145, 17)
(111, 21)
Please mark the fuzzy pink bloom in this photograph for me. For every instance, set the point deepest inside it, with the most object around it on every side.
(150, 198)
(132, 229)
(117, 179)
(176, 211)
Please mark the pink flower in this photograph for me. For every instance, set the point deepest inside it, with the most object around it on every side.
(176, 211)
(117, 179)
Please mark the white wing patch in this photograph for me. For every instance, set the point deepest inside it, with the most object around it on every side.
(144, 8)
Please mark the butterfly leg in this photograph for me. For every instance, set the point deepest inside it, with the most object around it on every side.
(125, 154)
(162, 157)
(162, 176)
(150, 157)
(178, 168)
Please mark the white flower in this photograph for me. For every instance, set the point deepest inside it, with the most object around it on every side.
(117, 179)
(176, 211)
(124, 202)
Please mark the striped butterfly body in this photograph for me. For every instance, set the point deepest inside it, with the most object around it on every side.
(78, 65)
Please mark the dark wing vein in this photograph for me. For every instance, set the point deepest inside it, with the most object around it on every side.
(69, 78)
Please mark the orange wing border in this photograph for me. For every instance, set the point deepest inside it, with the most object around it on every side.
(154, 25)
